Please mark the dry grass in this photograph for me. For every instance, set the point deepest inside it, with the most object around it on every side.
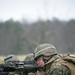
(2, 59)
(21, 58)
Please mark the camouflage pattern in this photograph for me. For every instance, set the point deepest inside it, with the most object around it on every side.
(59, 69)
(29, 57)
(45, 49)
(11, 58)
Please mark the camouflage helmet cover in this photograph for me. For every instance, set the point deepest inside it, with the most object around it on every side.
(45, 49)
(11, 58)
(29, 57)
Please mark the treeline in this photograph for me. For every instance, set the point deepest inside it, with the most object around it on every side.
(22, 37)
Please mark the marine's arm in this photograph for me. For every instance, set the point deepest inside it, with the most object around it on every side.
(59, 69)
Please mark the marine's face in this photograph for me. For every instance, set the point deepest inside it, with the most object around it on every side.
(40, 61)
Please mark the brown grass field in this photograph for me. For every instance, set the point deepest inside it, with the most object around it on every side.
(21, 58)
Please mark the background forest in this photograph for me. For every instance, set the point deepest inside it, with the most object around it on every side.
(23, 37)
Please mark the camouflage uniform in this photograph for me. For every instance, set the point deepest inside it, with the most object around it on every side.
(59, 69)
(52, 66)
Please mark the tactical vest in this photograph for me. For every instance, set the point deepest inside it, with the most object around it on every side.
(68, 64)
(67, 60)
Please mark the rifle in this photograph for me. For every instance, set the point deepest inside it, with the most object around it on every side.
(19, 66)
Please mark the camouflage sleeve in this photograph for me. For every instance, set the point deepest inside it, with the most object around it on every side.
(59, 69)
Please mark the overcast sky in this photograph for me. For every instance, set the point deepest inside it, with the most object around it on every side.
(32, 10)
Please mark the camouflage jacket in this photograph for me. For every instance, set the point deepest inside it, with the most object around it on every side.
(59, 69)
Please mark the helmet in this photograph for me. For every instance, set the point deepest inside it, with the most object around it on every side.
(45, 49)
(11, 58)
(29, 57)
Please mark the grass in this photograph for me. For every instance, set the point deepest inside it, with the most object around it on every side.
(2, 59)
